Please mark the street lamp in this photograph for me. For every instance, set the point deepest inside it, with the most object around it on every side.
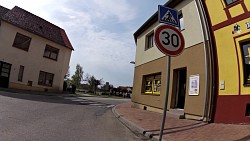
(132, 62)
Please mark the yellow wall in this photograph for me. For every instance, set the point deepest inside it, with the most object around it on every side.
(227, 51)
(216, 11)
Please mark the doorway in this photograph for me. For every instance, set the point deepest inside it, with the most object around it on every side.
(179, 88)
(4, 74)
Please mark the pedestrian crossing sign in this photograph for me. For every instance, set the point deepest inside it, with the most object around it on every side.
(168, 16)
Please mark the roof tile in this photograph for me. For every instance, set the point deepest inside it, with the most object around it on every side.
(32, 23)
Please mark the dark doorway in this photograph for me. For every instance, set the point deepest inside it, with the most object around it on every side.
(179, 88)
(4, 74)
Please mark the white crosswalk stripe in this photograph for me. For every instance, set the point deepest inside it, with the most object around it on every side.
(89, 102)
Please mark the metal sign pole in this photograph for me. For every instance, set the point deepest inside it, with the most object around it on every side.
(166, 99)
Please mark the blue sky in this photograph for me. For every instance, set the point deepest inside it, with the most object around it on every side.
(101, 31)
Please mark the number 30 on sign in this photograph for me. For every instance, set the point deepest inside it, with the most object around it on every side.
(169, 40)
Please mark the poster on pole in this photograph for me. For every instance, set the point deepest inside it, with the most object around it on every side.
(194, 84)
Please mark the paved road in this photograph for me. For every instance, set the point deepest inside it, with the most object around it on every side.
(54, 118)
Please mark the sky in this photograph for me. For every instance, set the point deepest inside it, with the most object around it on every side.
(101, 32)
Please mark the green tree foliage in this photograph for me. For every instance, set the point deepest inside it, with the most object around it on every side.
(93, 82)
(77, 78)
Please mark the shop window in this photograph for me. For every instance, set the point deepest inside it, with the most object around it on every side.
(51, 52)
(22, 42)
(20, 74)
(181, 20)
(245, 49)
(149, 41)
(45, 79)
(152, 84)
(228, 2)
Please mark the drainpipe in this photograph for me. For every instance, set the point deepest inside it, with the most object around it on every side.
(212, 59)
(206, 53)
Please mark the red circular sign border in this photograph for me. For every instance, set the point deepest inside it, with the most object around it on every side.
(159, 45)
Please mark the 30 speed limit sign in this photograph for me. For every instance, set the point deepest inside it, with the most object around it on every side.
(169, 40)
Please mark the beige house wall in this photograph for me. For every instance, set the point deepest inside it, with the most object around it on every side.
(33, 60)
(194, 105)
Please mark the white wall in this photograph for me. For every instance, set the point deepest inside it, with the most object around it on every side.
(33, 60)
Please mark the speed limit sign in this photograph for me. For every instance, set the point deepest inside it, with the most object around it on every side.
(169, 40)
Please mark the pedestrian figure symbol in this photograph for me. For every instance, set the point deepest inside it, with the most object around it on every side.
(169, 17)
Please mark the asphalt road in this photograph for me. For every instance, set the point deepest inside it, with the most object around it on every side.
(26, 117)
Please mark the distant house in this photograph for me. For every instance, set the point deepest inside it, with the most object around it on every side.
(34, 53)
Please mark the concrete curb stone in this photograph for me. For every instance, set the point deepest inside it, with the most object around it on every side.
(133, 127)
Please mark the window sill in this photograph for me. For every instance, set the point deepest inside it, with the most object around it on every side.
(150, 94)
(50, 58)
(27, 50)
(148, 48)
(246, 85)
(45, 85)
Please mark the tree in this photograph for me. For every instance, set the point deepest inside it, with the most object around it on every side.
(77, 78)
(93, 82)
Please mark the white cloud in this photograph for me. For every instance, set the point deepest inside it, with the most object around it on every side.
(100, 31)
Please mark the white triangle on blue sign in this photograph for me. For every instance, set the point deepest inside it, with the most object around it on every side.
(169, 17)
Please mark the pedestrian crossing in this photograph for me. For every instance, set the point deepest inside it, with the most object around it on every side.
(82, 101)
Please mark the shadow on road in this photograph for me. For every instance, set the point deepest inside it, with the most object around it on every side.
(38, 96)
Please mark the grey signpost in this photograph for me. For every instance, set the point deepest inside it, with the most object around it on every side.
(169, 41)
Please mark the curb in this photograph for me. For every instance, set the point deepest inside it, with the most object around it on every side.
(133, 127)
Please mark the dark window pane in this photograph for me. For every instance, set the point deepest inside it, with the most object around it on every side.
(42, 78)
(230, 1)
(53, 55)
(45, 78)
(51, 52)
(20, 74)
(7, 66)
(46, 53)
(245, 48)
(150, 41)
(22, 42)
(4, 74)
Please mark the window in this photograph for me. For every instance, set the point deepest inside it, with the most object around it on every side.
(245, 50)
(247, 110)
(152, 84)
(22, 42)
(228, 2)
(45, 79)
(20, 74)
(51, 52)
(5, 69)
(181, 20)
(150, 41)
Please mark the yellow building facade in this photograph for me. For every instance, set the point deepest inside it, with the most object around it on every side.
(229, 23)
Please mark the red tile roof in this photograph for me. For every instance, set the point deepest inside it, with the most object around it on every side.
(32, 23)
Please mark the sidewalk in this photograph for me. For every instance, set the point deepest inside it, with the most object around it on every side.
(149, 123)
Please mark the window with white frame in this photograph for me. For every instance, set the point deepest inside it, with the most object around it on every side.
(149, 41)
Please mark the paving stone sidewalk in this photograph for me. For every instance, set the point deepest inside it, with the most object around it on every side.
(149, 124)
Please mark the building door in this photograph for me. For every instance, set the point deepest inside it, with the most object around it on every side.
(4, 74)
(179, 88)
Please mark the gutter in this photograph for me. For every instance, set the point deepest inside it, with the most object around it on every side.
(209, 62)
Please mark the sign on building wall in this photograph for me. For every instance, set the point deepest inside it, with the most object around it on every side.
(248, 25)
(194, 84)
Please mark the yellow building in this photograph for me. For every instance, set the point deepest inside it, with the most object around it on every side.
(229, 20)
(34, 54)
